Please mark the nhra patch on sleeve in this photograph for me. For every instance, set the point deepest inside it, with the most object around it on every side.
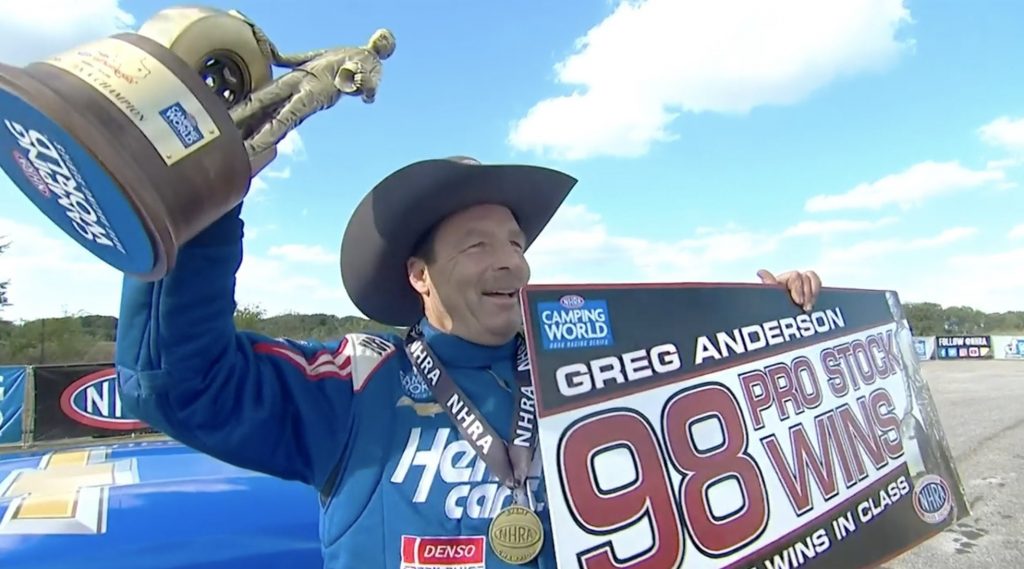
(366, 353)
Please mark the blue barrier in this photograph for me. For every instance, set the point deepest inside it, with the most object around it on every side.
(12, 403)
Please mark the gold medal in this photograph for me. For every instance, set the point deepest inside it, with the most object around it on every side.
(516, 535)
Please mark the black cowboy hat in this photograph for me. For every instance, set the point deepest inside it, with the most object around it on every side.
(389, 222)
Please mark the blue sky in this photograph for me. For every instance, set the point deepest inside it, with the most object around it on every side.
(875, 141)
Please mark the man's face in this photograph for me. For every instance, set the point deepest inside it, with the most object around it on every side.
(471, 286)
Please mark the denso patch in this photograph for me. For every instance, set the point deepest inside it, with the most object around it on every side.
(93, 400)
(463, 552)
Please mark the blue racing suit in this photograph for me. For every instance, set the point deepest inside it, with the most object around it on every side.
(399, 487)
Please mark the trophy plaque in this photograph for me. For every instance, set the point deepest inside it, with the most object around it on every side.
(134, 143)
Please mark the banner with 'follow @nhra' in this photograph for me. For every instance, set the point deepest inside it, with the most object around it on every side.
(12, 402)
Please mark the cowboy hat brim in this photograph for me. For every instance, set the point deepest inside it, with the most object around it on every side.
(388, 223)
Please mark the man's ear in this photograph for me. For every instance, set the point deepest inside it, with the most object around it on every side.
(418, 276)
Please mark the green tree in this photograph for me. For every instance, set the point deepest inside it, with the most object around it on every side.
(926, 318)
(48, 341)
(250, 318)
(930, 319)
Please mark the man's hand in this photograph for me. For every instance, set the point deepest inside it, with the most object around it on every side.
(803, 286)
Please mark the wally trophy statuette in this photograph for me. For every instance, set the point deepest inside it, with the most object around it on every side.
(134, 143)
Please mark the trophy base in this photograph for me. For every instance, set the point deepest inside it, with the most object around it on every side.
(124, 147)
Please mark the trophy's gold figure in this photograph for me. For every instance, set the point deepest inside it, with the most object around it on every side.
(317, 81)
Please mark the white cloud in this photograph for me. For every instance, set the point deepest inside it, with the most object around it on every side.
(890, 263)
(280, 287)
(987, 281)
(1017, 232)
(1003, 163)
(51, 274)
(907, 189)
(835, 227)
(303, 254)
(30, 31)
(577, 246)
(292, 146)
(871, 249)
(649, 60)
(257, 188)
(1004, 132)
(282, 174)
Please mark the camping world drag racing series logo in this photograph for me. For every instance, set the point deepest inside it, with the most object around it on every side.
(575, 322)
(184, 125)
(49, 168)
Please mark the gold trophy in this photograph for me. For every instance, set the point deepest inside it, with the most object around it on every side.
(134, 143)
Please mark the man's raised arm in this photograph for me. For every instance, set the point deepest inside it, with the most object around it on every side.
(244, 398)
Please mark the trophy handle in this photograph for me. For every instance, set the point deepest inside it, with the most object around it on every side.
(220, 46)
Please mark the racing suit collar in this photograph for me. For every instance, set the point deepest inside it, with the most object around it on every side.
(458, 352)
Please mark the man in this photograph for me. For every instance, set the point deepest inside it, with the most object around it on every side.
(437, 247)
(317, 81)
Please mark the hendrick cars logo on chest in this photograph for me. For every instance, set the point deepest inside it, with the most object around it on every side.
(575, 322)
(94, 401)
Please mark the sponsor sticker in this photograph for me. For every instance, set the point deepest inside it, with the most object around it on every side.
(183, 124)
(414, 387)
(146, 91)
(921, 347)
(464, 552)
(932, 499)
(94, 401)
(575, 322)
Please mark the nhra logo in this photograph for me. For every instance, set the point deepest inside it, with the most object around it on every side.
(94, 401)
(571, 301)
(575, 322)
(31, 173)
(932, 499)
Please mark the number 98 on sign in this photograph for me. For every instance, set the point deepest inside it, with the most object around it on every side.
(642, 486)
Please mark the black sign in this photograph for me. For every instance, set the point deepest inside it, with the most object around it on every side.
(603, 339)
(963, 347)
(79, 401)
(722, 426)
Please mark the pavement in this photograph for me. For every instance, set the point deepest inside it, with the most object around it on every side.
(981, 405)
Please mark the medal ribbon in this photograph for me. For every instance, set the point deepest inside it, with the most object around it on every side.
(509, 461)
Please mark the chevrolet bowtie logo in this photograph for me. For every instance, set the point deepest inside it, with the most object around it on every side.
(65, 494)
(426, 409)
